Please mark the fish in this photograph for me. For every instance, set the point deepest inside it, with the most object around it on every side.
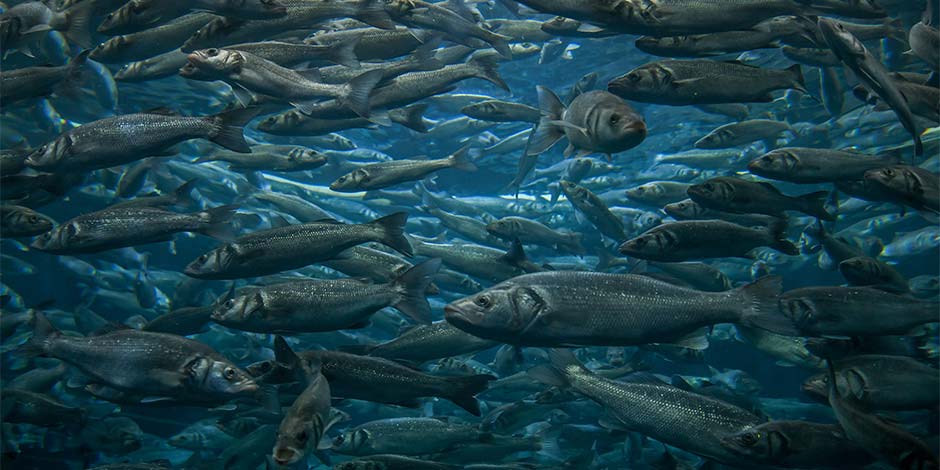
(284, 248)
(407, 436)
(745, 132)
(36, 82)
(386, 174)
(594, 209)
(702, 239)
(256, 74)
(529, 231)
(307, 420)
(550, 309)
(730, 194)
(150, 42)
(640, 406)
(119, 227)
(811, 165)
(870, 71)
(595, 121)
(19, 221)
(911, 186)
(269, 157)
(796, 444)
(422, 343)
(130, 137)
(700, 81)
(327, 305)
(134, 365)
(502, 111)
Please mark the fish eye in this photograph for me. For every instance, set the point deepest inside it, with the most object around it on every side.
(614, 119)
(750, 439)
(640, 242)
(230, 303)
(301, 436)
(633, 77)
(202, 258)
(228, 373)
(339, 439)
(709, 186)
(212, 52)
(888, 172)
(483, 301)
(33, 219)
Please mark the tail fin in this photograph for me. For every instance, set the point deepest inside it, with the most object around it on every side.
(78, 62)
(411, 117)
(43, 333)
(897, 31)
(500, 43)
(463, 390)
(228, 127)
(815, 205)
(78, 18)
(460, 160)
(184, 192)
(344, 53)
(563, 365)
(372, 12)
(356, 91)
(485, 66)
(216, 220)
(760, 301)
(545, 134)
(393, 234)
(412, 285)
(778, 231)
(799, 83)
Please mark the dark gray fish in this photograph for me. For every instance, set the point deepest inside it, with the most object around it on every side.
(855, 311)
(813, 165)
(295, 246)
(569, 308)
(730, 194)
(688, 82)
(427, 342)
(19, 221)
(700, 239)
(594, 210)
(797, 444)
(124, 139)
(35, 82)
(385, 174)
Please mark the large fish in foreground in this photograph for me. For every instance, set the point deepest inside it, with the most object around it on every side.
(588, 308)
(596, 121)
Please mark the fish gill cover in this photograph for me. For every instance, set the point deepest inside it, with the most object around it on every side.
(533, 234)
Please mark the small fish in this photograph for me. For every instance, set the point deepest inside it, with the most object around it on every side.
(19, 221)
(385, 174)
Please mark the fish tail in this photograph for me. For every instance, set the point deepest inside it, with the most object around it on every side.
(486, 67)
(461, 160)
(463, 391)
(77, 63)
(356, 92)
(815, 205)
(412, 285)
(545, 134)
(778, 233)
(214, 222)
(184, 193)
(761, 309)
(344, 53)
(372, 12)
(228, 128)
(500, 43)
(78, 18)
(392, 232)
(413, 118)
(564, 364)
(43, 334)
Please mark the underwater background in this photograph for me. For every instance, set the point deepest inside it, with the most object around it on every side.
(366, 234)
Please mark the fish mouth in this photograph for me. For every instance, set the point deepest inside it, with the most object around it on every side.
(286, 455)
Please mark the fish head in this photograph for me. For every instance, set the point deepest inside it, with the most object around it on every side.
(351, 180)
(616, 356)
(816, 387)
(210, 33)
(505, 308)
(760, 442)
(651, 244)
(684, 209)
(216, 62)
(891, 177)
(220, 377)
(110, 48)
(212, 262)
(286, 120)
(646, 220)
(524, 49)
(573, 191)
(776, 163)
(560, 24)
(122, 16)
(59, 239)
(618, 126)
(293, 435)
(504, 227)
(647, 79)
(31, 220)
(859, 269)
(239, 309)
(715, 139)
(842, 42)
(130, 71)
(645, 191)
(352, 442)
(306, 156)
(714, 191)
(51, 155)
